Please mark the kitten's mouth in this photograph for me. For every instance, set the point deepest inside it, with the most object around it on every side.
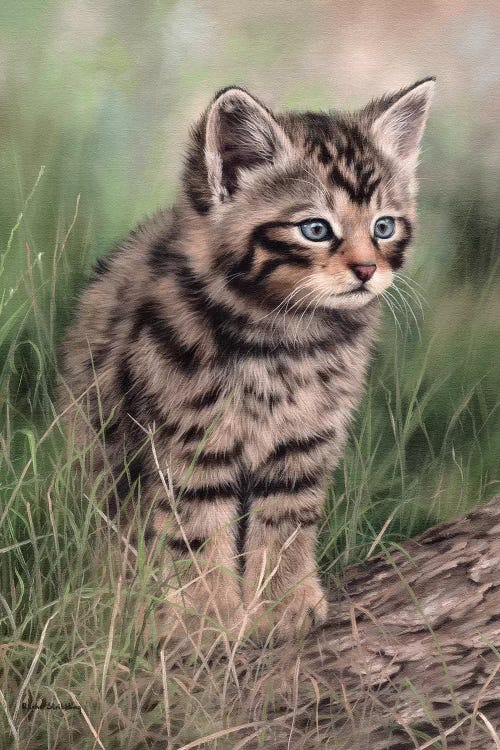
(361, 288)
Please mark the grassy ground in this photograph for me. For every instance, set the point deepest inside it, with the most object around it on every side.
(425, 445)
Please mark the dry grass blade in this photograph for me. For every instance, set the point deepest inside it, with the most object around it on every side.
(218, 735)
(438, 738)
(491, 729)
(33, 664)
(109, 648)
(10, 720)
(166, 705)
(93, 730)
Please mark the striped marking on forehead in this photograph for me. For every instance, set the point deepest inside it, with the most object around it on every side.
(346, 153)
(359, 185)
(319, 133)
(356, 171)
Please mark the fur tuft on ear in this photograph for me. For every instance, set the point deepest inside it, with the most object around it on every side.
(240, 134)
(398, 120)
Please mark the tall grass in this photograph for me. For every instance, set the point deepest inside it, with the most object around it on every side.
(425, 446)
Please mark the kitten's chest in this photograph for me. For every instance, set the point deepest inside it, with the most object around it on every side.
(286, 400)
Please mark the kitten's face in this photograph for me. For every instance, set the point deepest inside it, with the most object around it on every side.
(312, 240)
(312, 210)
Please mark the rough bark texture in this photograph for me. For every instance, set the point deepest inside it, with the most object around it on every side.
(410, 657)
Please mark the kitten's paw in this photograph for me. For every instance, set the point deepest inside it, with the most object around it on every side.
(195, 620)
(303, 608)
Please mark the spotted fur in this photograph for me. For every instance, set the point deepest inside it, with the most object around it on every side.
(241, 346)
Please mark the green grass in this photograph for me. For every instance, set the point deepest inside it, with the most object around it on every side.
(425, 445)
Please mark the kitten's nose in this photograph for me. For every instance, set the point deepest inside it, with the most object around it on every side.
(364, 271)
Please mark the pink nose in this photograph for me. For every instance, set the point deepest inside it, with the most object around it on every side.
(364, 271)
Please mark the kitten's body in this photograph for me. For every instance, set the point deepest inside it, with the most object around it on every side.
(216, 323)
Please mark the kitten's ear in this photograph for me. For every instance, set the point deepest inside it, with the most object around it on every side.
(398, 120)
(240, 134)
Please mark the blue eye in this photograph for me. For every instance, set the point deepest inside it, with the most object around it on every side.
(316, 230)
(384, 227)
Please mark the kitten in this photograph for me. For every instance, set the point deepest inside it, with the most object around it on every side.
(237, 328)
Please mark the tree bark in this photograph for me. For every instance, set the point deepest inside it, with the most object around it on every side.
(409, 658)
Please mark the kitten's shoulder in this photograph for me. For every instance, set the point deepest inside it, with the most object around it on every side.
(134, 251)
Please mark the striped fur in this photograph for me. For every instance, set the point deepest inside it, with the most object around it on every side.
(242, 346)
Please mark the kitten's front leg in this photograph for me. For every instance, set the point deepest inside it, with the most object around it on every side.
(282, 591)
(201, 584)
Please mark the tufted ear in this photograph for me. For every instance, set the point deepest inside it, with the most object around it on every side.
(398, 120)
(240, 134)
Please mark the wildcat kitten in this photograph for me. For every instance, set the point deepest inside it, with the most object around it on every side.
(237, 328)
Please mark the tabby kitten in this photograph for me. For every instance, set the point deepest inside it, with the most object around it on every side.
(237, 329)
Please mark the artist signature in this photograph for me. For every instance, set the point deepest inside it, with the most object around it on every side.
(43, 705)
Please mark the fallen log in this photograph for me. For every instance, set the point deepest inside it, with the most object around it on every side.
(409, 658)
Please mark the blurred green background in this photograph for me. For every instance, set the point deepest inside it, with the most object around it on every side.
(101, 95)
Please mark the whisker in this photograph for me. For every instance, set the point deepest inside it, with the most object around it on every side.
(406, 293)
(395, 301)
(400, 311)
(389, 307)
(317, 185)
(297, 302)
(408, 284)
(410, 309)
(409, 279)
(298, 322)
(298, 327)
(316, 179)
(321, 297)
(290, 294)
(291, 320)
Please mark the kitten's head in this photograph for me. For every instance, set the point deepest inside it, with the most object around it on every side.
(308, 206)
